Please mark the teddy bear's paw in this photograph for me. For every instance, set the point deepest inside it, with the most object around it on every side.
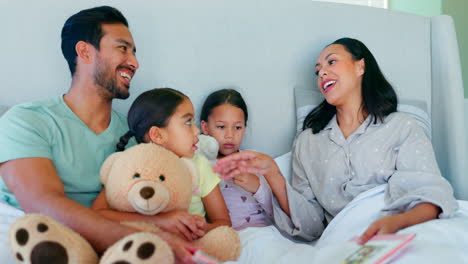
(222, 243)
(38, 239)
(139, 248)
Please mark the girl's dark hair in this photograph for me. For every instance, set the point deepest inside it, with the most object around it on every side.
(151, 108)
(378, 96)
(220, 97)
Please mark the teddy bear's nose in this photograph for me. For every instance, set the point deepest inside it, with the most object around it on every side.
(147, 192)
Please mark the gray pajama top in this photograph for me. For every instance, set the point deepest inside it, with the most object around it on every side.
(328, 171)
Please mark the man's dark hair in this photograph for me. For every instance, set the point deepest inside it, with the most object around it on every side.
(86, 26)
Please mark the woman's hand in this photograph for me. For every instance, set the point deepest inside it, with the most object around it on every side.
(245, 162)
(385, 225)
(257, 163)
(391, 224)
(187, 226)
(247, 181)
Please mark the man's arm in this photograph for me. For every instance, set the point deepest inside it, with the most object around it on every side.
(38, 189)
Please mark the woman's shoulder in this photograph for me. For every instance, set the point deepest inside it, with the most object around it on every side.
(405, 124)
(306, 138)
(399, 119)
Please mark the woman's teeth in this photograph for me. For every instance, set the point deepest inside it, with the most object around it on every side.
(329, 83)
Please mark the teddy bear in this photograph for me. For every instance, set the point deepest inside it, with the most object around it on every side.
(208, 147)
(145, 178)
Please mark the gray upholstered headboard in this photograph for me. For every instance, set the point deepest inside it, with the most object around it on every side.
(264, 48)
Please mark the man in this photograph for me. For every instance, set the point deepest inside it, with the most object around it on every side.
(52, 149)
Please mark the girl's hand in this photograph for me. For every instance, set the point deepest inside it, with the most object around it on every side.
(183, 224)
(248, 181)
(180, 247)
(245, 162)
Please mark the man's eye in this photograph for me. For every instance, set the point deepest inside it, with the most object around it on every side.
(124, 48)
(188, 123)
(331, 62)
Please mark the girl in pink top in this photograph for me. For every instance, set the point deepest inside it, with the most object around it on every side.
(248, 196)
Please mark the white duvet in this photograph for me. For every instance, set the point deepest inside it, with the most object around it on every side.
(437, 241)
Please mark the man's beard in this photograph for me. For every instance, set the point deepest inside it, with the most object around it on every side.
(104, 78)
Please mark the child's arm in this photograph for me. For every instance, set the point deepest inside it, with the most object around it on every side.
(258, 186)
(216, 209)
(264, 197)
(247, 181)
(391, 224)
(178, 222)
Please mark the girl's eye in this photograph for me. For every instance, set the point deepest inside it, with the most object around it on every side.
(136, 176)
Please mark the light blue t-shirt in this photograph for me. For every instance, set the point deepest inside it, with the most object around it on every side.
(49, 129)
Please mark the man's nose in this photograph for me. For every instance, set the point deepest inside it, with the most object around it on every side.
(133, 62)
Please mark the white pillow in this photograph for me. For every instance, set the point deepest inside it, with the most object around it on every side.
(284, 163)
(307, 99)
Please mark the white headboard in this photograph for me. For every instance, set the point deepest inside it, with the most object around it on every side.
(263, 48)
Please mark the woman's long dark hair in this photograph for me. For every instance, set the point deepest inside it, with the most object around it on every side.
(151, 108)
(378, 96)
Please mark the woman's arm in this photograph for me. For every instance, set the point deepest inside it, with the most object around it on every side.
(295, 209)
(391, 224)
(216, 209)
(257, 163)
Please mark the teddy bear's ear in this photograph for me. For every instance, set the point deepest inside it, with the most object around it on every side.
(208, 147)
(194, 172)
(107, 165)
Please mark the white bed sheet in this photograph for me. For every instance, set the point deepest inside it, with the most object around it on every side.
(437, 241)
(8, 215)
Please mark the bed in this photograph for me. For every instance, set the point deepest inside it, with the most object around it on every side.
(267, 50)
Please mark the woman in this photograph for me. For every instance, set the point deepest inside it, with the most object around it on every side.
(353, 141)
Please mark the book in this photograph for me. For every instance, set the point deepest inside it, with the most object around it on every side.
(377, 249)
